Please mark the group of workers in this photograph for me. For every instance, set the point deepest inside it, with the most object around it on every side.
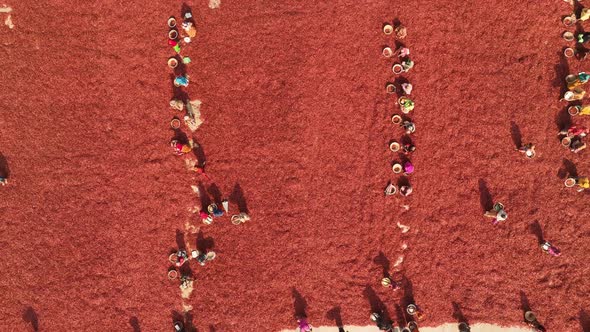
(179, 37)
(406, 105)
(183, 146)
(573, 137)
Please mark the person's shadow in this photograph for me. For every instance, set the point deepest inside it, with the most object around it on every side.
(400, 315)
(516, 134)
(382, 261)
(458, 314)
(4, 169)
(584, 321)
(562, 69)
(237, 196)
(485, 197)
(376, 304)
(524, 303)
(299, 304)
(199, 153)
(335, 315)
(180, 242)
(204, 244)
(568, 170)
(408, 287)
(215, 193)
(536, 230)
(134, 322)
(30, 316)
(204, 196)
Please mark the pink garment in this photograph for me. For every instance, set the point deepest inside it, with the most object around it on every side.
(404, 52)
(180, 261)
(408, 168)
(177, 147)
(407, 87)
(553, 251)
(304, 326)
(575, 130)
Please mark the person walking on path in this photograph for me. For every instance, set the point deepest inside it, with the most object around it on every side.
(381, 322)
(303, 325)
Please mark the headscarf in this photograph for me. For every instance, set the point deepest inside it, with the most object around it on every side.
(407, 87)
(408, 167)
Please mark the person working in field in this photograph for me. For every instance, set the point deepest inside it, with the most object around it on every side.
(497, 213)
(577, 145)
(181, 148)
(528, 150)
(575, 130)
(583, 183)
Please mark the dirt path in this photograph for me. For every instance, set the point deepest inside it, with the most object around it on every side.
(442, 328)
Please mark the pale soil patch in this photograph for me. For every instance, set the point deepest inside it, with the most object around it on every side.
(398, 261)
(186, 292)
(214, 4)
(404, 228)
(8, 20)
(193, 119)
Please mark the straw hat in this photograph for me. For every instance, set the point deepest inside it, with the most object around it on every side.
(172, 62)
(387, 29)
(390, 88)
(172, 22)
(394, 146)
(530, 316)
(387, 52)
(573, 110)
(386, 282)
(570, 182)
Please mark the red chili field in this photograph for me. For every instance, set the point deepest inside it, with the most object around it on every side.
(296, 131)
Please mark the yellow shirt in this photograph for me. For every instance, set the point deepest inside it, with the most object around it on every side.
(585, 110)
(584, 183)
(585, 14)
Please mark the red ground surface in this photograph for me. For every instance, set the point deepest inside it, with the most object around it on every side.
(295, 113)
